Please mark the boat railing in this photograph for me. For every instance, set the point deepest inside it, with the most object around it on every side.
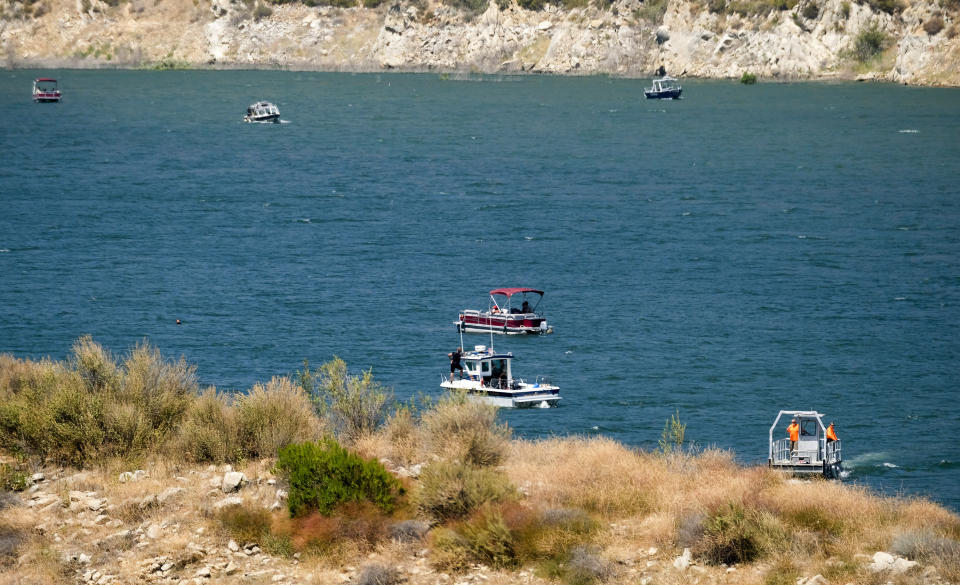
(832, 455)
(783, 454)
(781, 450)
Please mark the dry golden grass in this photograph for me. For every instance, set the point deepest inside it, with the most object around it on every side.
(274, 415)
(598, 475)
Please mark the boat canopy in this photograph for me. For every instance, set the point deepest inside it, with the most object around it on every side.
(46, 79)
(515, 290)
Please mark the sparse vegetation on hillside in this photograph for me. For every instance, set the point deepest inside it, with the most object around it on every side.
(869, 44)
(888, 6)
(652, 11)
(933, 25)
(750, 7)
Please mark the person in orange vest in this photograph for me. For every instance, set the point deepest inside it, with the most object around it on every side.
(831, 434)
(794, 431)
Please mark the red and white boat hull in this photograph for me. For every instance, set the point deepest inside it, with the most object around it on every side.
(505, 324)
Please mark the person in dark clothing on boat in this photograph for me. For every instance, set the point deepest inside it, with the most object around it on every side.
(455, 362)
(525, 308)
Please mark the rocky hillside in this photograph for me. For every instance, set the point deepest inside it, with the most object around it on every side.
(892, 40)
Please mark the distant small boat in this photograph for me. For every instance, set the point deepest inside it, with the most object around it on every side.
(262, 112)
(664, 88)
(45, 89)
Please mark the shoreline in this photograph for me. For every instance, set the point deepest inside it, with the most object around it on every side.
(798, 44)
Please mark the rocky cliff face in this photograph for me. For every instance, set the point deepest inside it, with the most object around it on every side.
(685, 37)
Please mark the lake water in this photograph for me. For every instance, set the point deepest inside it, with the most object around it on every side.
(740, 251)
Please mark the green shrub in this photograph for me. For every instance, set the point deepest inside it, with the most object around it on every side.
(74, 431)
(465, 430)
(508, 534)
(782, 573)
(96, 366)
(888, 6)
(354, 405)
(733, 535)
(753, 7)
(336, 3)
(671, 438)
(11, 539)
(324, 474)
(845, 9)
(377, 574)
(933, 25)
(869, 43)
(450, 490)
(747, 79)
(925, 545)
(810, 10)
(488, 539)
(149, 402)
(584, 566)
(483, 538)
(209, 430)
(652, 11)
(274, 415)
(817, 519)
(13, 479)
(470, 6)
(554, 533)
(262, 11)
(245, 523)
(534, 5)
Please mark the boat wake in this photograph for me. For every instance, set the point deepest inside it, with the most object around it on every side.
(909, 131)
(875, 462)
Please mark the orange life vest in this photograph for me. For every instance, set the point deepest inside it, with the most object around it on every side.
(794, 431)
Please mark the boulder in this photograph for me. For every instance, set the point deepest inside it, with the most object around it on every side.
(883, 561)
(170, 493)
(230, 501)
(232, 481)
(683, 561)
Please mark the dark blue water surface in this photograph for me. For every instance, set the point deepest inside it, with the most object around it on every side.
(743, 250)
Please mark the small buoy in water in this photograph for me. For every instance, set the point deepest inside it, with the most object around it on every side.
(178, 321)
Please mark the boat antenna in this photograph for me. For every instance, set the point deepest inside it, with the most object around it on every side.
(493, 302)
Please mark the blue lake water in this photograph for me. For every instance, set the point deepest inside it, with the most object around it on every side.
(744, 250)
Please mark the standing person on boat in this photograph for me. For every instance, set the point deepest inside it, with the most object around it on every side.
(455, 362)
(793, 430)
(831, 434)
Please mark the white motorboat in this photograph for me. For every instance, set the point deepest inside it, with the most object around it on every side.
(664, 88)
(488, 376)
(262, 112)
